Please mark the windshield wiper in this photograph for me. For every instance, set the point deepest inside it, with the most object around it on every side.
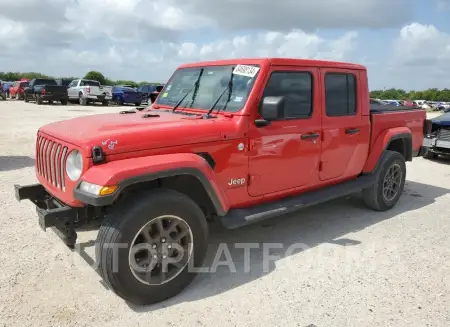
(229, 88)
(195, 88)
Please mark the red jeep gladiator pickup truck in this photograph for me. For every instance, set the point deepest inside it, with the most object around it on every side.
(236, 140)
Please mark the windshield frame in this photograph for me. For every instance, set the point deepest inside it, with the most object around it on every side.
(203, 109)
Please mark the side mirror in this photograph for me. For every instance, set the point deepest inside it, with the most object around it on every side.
(271, 108)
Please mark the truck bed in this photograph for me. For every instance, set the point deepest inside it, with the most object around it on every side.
(385, 117)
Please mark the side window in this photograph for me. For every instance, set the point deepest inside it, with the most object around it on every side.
(71, 84)
(340, 94)
(82, 83)
(297, 88)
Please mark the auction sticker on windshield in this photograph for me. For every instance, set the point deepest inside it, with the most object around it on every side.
(245, 70)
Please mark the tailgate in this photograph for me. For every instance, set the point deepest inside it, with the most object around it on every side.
(56, 89)
(99, 90)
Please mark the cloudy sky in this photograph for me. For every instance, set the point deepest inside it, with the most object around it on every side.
(403, 43)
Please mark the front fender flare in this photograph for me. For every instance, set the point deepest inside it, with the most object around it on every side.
(144, 169)
(382, 142)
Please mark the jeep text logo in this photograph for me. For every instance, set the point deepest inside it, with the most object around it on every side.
(236, 182)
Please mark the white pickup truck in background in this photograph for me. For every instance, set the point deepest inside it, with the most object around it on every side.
(86, 91)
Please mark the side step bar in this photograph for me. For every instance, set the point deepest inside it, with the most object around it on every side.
(236, 218)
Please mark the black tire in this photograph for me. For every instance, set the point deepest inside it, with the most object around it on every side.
(64, 102)
(39, 99)
(105, 103)
(137, 104)
(25, 97)
(50, 102)
(119, 102)
(82, 100)
(374, 196)
(121, 227)
(430, 155)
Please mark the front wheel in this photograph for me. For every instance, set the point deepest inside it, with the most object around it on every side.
(389, 184)
(147, 246)
(25, 97)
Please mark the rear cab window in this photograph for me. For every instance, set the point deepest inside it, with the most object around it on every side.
(340, 94)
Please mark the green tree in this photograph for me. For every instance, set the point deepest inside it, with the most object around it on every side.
(96, 76)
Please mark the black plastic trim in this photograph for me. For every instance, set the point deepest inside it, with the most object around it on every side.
(51, 212)
(99, 201)
(380, 109)
(236, 218)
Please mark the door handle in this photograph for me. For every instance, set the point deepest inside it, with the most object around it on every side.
(352, 131)
(310, 136)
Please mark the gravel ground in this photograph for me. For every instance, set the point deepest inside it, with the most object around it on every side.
(361, 268)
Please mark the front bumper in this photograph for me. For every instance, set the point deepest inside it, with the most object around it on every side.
(431, 142)
(50, 211)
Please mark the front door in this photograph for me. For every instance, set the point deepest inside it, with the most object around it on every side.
(345, 132)
(285, 154)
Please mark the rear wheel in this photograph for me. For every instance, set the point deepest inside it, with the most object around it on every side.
(137, 104)
(64, 102)
(147, 246)
(390, 181)
(25, 97)
(82, 100)
(105, 103)
(39, 99)
(430, 155)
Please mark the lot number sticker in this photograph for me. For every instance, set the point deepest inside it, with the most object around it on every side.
(245, 70)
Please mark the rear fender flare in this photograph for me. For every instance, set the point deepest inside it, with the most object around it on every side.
(382, 142)
(144, 169)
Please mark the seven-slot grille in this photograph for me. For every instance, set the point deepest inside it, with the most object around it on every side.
(50, 161)
(444, 134)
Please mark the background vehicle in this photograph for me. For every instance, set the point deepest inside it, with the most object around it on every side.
(87, 91)
(150, 92)
(124, 94)
(45, 89)
(437, 139)
(17, 89)
(63, 81)
(237, 140)
(6, 86)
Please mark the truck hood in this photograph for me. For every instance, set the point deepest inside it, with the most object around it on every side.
(442, 120)
(119, 133)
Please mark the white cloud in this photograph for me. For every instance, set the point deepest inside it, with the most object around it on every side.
(422, 56)
(147, 39)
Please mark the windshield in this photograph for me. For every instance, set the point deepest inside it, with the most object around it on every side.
(211, 84)
(24, 84)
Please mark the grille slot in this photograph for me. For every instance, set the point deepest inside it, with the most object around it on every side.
(444, 134)
(50, 160)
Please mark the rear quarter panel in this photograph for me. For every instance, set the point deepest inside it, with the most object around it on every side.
(385, 125)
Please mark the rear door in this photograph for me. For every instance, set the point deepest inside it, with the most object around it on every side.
(285, 154)
(344, 131)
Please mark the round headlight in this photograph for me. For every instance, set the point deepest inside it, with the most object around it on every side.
(74, 165)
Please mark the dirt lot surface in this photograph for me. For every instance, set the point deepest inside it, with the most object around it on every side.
(361, 268)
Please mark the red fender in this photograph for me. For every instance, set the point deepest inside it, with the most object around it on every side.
(381, 143)
(135, 170)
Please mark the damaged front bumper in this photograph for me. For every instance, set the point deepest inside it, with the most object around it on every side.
(51, 212)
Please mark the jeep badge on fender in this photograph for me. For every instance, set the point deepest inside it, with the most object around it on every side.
(236, 182)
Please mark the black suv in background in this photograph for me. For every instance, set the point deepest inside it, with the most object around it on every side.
(150, 92)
